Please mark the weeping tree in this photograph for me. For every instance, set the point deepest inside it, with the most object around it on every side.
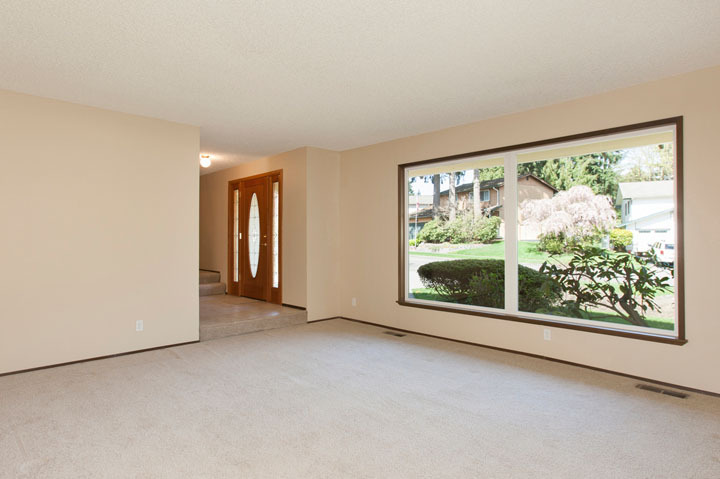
(574, 216)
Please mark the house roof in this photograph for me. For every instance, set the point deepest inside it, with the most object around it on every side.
(423, 213)
(495, 183)
(644, 189)
(648, 217)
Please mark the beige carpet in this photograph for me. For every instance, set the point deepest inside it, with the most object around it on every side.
(338, 399)
(227, 315)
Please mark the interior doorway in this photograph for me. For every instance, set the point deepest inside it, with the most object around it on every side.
(255, 237)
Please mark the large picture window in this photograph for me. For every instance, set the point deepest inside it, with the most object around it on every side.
(582, 232)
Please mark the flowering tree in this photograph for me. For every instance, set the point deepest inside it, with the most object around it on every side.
(575, 214)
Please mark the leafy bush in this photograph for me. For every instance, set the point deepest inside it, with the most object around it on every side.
(464, 229)
(412, 242)
(588, 281)
(460, 230)
(551, 243)
(433, 232)
(486, 230)
(481, 282)
(620, 239)
(450, 279)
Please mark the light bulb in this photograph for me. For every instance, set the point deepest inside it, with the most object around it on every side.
(205, 161)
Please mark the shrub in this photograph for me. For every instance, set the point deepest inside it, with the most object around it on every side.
(620, 239)
(460, 230)
(481, 282)
(413, 242)
(486, 230)
(587, 281)
(551, 243)
(464, 229)
(433, 232)
(450, 279)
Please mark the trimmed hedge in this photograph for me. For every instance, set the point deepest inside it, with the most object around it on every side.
(481, 282)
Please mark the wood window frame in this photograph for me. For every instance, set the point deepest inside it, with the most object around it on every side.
(274, 295)
(607, 329)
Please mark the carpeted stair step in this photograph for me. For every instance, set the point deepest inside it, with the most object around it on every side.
(207, 277)
(209, 289)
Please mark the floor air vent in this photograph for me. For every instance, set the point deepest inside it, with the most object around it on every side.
(394, 333)
(668, 392)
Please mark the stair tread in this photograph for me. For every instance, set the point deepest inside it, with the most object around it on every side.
(208, 277)
(208, 289)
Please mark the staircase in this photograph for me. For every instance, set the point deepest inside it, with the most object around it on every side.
(210, 283)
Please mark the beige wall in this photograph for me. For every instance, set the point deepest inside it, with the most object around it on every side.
(98, 212)
(369, 229)
(323, 225)
(213, 219)
(311, 222)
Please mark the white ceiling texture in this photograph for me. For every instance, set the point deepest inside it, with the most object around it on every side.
(262, 77)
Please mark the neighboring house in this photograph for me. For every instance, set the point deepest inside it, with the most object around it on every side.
(419, 202)
(647, 209)
(416, 204)
(492, 196)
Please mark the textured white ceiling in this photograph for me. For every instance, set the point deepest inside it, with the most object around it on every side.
(261, 77)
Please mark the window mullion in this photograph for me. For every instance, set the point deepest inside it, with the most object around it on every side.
(511, 245)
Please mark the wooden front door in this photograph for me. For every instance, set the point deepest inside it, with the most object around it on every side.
(254, 273)
(254, 227)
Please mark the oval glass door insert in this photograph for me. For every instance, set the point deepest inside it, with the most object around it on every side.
(254, 235)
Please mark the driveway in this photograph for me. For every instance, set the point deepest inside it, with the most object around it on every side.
(414, 262)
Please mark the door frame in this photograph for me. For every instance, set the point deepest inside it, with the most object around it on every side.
(273, 295)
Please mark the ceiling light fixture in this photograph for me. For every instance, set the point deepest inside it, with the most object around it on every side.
(205, 161)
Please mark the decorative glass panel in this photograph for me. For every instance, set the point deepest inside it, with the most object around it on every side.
(236, 235)
(254, 235)
(276, 234)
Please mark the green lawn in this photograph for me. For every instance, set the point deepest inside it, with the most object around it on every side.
(659, 323)
(527, 253)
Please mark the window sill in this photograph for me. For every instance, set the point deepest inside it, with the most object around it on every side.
(555, 324)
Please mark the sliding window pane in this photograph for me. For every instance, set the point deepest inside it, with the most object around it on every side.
(455, 231)
(596, 231)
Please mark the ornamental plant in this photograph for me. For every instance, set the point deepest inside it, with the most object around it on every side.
(481, 282)
(576, 214)
(620, 239)
(595, 277)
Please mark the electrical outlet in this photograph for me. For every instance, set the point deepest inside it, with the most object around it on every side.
(139, 326)
(546, 334)
(354, 301)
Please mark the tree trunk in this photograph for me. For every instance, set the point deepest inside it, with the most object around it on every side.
(452, 197)
(476, 194)
(436, 197)
(633, 316)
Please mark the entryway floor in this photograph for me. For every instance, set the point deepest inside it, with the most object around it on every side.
(228, 315)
